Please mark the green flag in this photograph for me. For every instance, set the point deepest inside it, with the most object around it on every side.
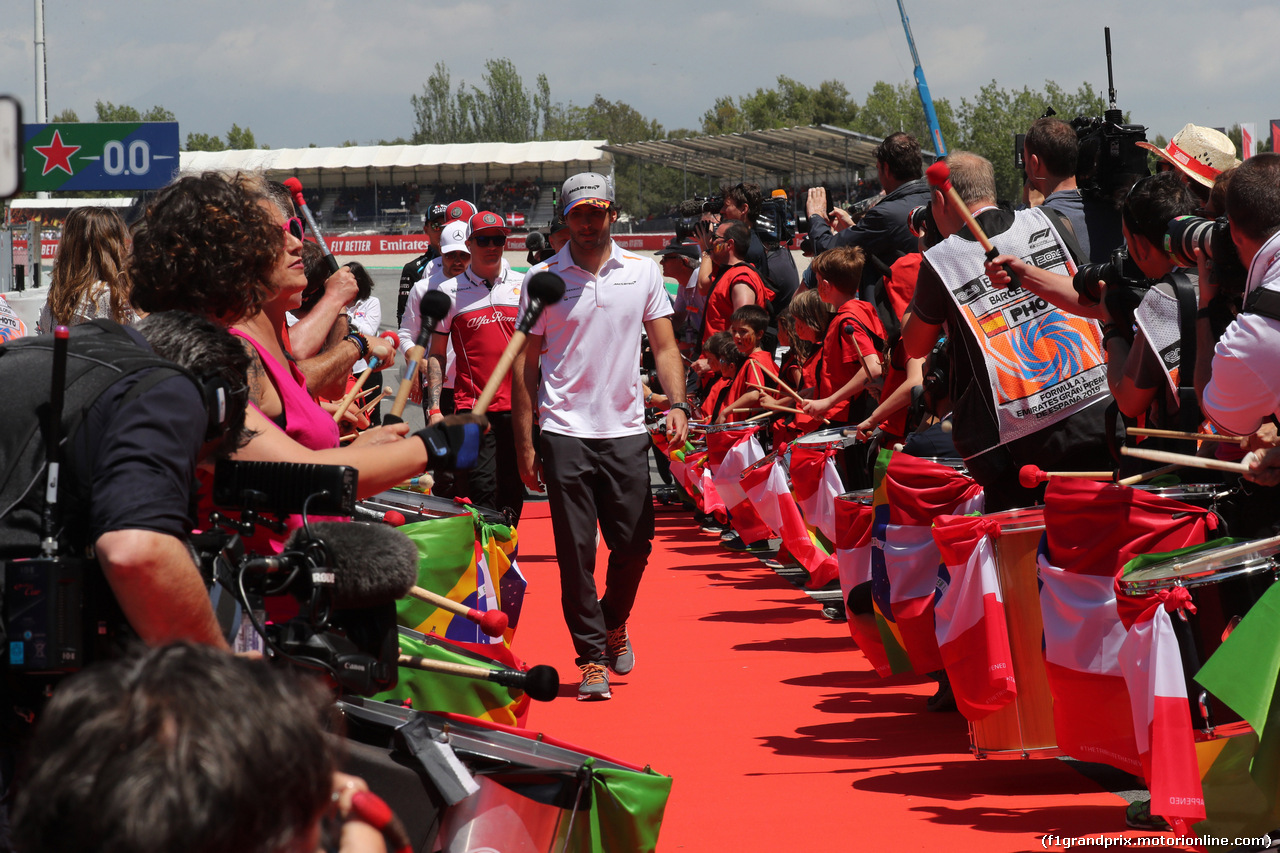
(1241, 788)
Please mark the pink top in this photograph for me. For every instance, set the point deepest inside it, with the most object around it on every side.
(305, 421)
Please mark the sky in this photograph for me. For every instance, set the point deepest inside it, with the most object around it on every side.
(327, 71)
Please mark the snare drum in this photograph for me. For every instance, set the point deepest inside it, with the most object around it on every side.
(1224, 583)
(955, 463)
(1024, 727)
(1203, 495)
(827, 439)
(416, 506)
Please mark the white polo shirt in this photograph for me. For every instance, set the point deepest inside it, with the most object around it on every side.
(591, 344)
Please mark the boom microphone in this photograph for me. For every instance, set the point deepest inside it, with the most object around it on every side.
(294, 186)
(368, 564)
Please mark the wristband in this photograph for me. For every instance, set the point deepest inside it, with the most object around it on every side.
(431, 412)
(362, 346)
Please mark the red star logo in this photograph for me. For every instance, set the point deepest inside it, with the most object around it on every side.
(57, 154)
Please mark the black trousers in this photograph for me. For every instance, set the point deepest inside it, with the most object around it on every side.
(495, 481)
(602, 481)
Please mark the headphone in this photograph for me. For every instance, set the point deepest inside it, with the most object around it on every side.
(216, 394)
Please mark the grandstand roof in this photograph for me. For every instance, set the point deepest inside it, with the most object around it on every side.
(422, 164)
(795, 151)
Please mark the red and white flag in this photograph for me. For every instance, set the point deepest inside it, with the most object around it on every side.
(767, 488)
(853, 564)
(911, 492)
(1091, 530)
(816, 484)
(973, 634)
(1152, 668)
(742, 515)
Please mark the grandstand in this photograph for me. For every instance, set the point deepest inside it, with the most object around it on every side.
(389, 187)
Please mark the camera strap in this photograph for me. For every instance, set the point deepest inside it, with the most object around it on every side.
(1264, 302)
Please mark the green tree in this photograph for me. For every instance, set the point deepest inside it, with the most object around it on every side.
(240, 139)
(502, 111)
(108, 111)
(889, 109)
(205, 142)
(67, 116)
(789, 104)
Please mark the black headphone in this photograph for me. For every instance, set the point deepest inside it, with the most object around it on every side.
(216, 394)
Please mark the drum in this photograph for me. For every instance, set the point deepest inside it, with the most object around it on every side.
(955, 463)
(721, 437)
(825, 439)
(1024, 727)
(1203, 495)
(766, 460)
(1224, 583)
(416, 506)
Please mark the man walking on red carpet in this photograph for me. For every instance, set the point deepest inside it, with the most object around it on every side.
(582, 363)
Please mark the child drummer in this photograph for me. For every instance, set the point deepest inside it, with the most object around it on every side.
(747, 325)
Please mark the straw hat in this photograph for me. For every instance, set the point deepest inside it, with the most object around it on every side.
(1200, 153)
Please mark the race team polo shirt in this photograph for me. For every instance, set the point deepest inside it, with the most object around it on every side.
(480, 323)
(591, 344)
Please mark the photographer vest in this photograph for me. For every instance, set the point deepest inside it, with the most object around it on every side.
(1042, 364)
(99, 354)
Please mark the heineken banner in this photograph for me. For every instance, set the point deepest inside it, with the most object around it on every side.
(99, 156)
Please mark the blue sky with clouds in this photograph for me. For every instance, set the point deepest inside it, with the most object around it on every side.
(323, 72)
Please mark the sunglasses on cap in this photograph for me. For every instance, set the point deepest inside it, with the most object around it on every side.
(293, 225)
(488, 241)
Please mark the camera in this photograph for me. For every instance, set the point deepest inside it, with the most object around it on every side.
(1125, 284)
(775, 223)
(1213, 238)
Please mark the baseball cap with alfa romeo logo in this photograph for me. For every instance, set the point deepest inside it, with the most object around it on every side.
(487, 221)
(590, 187)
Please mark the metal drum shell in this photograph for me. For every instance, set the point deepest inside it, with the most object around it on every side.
(826, 438)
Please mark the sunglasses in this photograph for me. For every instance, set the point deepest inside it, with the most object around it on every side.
(488, 242)
(293, 225)
(436, 226)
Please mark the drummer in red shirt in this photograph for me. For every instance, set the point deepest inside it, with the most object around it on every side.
(734, 282)
(850, 351)
(747, 325)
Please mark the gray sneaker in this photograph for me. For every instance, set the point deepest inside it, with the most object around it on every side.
(622, 657)
(595, 682)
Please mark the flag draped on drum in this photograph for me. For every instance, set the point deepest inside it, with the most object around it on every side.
(736, 450)
(765, 485)
(971, 626)
(906, 566)
(1092, 530)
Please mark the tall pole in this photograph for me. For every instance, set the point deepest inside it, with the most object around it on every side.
(42, 85)
(926, 101)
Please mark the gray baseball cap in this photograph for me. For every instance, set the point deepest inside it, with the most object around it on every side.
(590, 187)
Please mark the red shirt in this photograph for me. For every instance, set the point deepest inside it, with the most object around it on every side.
(751, 371)
(480, 322)
(849, 333)
(720, 300)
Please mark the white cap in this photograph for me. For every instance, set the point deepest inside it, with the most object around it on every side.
(454, 237)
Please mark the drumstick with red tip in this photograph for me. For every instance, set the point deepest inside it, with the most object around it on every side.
(492, 622)
(1031, 476)
(294, 186)
(939, 176)
(381, 350)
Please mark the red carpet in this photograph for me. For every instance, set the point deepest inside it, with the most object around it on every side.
(777, 732)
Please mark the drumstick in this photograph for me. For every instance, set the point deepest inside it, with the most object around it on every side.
(368, 407)
(1148, 475)
(1030, 476)
(417, 484)
(492, 622)
(540, 682)
(1189, 436)
(783, 409)
(784, 386)
(762, 416)
(939, 176)
(358, 388)
(1186, 460)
